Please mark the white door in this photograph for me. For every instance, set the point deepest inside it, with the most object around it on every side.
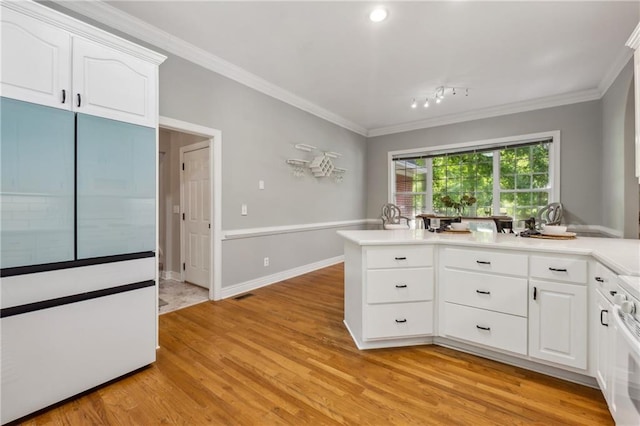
(197, 216)
(558, 323)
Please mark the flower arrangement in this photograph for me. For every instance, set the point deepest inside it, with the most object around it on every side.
(458, 206)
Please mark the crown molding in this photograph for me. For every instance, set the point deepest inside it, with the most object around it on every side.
(110, 16)
(513, 108)
(634, 39)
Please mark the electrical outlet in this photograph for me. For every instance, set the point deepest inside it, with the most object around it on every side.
(243, 211)
(266, 261)
(260, 184)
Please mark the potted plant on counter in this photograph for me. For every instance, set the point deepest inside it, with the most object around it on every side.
(459, 206)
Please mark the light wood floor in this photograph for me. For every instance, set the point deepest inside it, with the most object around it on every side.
(283, 356)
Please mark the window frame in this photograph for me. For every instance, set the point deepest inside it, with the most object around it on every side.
(554, 163)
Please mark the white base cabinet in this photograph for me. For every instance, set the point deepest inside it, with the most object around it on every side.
(388, 294)
(558, 323)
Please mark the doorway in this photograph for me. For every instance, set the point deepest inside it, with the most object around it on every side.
(191, 247)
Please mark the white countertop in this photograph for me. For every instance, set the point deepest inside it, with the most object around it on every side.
(621, 255)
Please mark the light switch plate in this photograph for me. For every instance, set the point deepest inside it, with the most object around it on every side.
(176, 209)
(260, 184)
(243, 212)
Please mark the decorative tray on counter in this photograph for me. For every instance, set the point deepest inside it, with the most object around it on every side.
(563, 236)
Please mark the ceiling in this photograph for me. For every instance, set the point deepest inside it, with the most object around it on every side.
(329, 59)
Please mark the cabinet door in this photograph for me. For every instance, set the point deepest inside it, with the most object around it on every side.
(36, 190)
(36, 61)
(113, 84)
(603, 311)
(116, 190)
(558, 323)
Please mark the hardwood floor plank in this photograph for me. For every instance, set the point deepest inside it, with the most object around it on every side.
(284, 357)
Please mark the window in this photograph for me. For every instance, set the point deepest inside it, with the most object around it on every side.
(512, 177)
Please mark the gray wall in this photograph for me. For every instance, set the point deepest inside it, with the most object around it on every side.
(258, 135)
(580, 134)
(619, 202)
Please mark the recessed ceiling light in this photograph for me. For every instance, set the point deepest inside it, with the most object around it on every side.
(378, 14)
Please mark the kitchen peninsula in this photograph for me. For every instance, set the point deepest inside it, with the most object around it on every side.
(523, 301)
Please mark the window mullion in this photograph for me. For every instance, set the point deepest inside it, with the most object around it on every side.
(429, 204)
(496, 183)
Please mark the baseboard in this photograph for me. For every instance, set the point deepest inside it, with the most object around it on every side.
(170, 275)
(246, 286)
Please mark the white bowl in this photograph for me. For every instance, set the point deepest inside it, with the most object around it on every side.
(459, 226)
(554, 229)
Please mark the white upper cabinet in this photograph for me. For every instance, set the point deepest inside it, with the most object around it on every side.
(112, 84)
(51, 59)
(36, 61)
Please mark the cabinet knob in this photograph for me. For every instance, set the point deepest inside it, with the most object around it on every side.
(628, 307)
(619, 298)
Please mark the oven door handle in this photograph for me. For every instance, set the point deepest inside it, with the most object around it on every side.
(632, 341)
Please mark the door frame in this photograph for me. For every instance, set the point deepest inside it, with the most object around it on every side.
(183, 243)
(215, 170)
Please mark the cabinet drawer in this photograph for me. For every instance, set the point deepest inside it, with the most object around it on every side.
(398, 320)
(604, 278)
(559, 269)
(399, 256)
(399, 285)
(494, 292)
(488, 328)
(485, 261)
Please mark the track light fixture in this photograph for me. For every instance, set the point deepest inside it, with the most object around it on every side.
(439, 94)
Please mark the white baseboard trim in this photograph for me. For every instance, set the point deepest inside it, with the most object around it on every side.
(170, 275)
(596, 229)
(277, 277)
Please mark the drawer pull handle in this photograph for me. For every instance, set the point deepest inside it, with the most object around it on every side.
(557, 269)
(535, 293)
(479, 327)
(483, 292)
(401, 286)
(601, 321)
(400, 321)
(613, 292)
(599, 279)
(483, 262)
(64, 96)
(79, 99)
(401, 258)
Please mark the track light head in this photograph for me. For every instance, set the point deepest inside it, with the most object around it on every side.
(426, 103)
(414, 104)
